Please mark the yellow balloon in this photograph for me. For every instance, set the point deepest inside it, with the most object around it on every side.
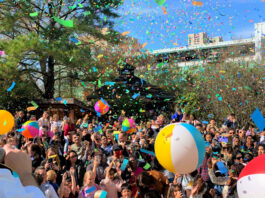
(7, 122)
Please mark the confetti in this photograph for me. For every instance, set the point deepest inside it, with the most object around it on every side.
(34, 14)
(125, 33)
(31, 109)
(144, 45)
(11, 87)
(197, 3)
(160, 2)
(34, 104)
(66, 23)
(258, 119)
(164, 10)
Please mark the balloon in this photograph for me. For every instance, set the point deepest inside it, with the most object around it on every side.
(31, 129)
(101, 107)
(128, 126)
(251, 181)
(180, 148)
(7, 121)
(100, 194)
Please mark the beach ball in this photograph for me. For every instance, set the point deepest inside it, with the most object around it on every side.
(100, 194)
(7, 121)
(251, 181)
(180, 148)
(30, 129)
(101, 107)
(128, 126)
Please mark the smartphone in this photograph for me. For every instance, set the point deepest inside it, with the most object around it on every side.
(49, 160)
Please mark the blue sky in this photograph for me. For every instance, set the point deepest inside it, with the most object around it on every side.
(146, 21)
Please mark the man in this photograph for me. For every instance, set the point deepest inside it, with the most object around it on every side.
(231, 121)
(77, 146)
(11, 186)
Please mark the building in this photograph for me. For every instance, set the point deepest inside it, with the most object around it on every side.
(216, 39)
(198, 39)
(202, 39)
(216, 50)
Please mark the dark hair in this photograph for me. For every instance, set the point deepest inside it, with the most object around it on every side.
(36, 149)
(152, 194)
(126, 186)
(38, 177)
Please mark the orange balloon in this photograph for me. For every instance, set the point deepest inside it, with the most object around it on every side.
(7, 122)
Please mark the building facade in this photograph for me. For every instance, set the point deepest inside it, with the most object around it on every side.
(200, 52)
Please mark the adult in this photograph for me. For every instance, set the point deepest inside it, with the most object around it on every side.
(25, 186)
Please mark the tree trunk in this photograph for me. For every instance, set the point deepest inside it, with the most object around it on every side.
(49, 81)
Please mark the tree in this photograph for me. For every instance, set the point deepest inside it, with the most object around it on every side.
(40, 36)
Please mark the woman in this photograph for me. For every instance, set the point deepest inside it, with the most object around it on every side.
(68, 185)
(53, 162)
(261, 149)
(68, 127)
(72, 161)
(44, 124)
(89, 186)
(175, 191)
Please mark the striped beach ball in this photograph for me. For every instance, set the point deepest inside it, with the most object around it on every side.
(31, 129)
(251, 181)
(101, 107)
(180, 148)
(128, 126)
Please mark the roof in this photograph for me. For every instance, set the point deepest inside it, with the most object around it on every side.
(208, 46)
(65, 101)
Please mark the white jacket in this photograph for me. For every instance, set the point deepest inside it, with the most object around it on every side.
(11, 187)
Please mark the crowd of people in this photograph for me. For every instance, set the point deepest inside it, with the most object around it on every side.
(76, 159)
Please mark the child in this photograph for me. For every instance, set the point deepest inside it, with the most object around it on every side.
(111, 183)
(89, 188)
(126, 191)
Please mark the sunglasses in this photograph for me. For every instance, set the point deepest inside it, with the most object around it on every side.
(238, 158)
(73, 156)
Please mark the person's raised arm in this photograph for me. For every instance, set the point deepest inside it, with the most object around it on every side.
(21, 163)
(72, 173)
(61, 189)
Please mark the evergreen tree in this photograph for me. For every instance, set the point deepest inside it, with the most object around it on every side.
(38, 36)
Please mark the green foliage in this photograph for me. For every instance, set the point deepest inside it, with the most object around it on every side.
(218, 89)
(37, 37)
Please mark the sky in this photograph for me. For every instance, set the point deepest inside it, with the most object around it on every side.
(147, 21)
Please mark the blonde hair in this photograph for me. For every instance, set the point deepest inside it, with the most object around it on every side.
(51, 175)
(57, 159)
(55, 116)
(88, 173)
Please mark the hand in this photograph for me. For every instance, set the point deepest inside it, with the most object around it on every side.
(179, 194)
(21, 163)
(214, 161)
(212, 192)
(209, 163)
(64, 176)
(194, 190)
(96, 162)
(72, 171)
(47, 166)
